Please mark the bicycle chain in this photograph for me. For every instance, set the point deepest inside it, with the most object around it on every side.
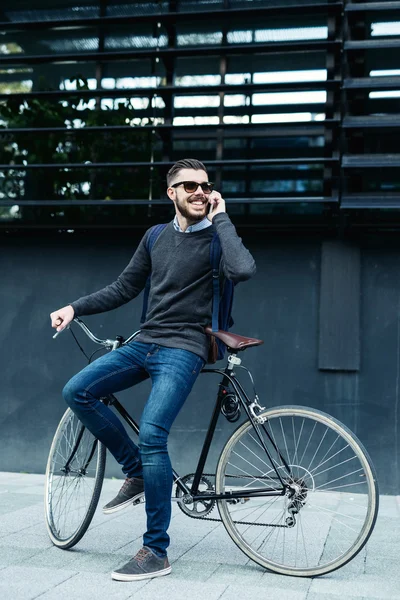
(236, 522)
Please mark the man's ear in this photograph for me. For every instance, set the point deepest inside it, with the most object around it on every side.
(171, 193)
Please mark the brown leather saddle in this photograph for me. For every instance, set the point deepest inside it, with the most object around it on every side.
(233, 341)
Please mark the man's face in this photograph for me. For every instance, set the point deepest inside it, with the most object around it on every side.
(193, 207)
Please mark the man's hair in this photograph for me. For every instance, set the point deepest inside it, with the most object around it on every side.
(186, 163)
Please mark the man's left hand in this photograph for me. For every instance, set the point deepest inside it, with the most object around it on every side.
(217, 205)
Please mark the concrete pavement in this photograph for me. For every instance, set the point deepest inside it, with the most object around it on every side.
(206, 564)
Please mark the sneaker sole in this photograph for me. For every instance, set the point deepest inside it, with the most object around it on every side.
(124, 577)
(135, 500)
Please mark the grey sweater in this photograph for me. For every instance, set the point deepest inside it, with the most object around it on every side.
(180, 299)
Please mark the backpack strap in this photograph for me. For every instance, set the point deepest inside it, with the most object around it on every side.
(153, 235)
(215, 258)
(149, 243)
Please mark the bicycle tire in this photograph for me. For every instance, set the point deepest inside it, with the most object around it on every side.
(64, 534)
(356, 491)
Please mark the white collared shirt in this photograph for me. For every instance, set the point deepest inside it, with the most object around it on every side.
(203, 224)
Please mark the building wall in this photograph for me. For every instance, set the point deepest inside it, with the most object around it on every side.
(281, 305)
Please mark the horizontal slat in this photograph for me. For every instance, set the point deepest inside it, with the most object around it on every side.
(357, 201)
(234, 130)
(225, 163)
(150, 113)
(294, 46)
(371, 83)
(371, 161)
(250, 88)
(372, 44)
(176, 17)
(371, 6)
(371, 122)
(129, 202)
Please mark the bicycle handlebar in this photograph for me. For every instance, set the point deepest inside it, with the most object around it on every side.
(112, 344)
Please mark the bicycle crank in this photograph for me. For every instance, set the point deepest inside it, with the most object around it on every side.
(195, 508)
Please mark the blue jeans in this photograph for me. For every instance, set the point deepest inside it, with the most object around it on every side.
(173, 373)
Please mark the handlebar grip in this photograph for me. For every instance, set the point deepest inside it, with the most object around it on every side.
(59, 332)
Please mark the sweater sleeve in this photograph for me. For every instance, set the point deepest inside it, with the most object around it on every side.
(237, 263)
(126, 287)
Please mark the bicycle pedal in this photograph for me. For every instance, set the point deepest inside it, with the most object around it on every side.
(139, 501)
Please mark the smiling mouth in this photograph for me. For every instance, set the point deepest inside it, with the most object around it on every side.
(198, 202)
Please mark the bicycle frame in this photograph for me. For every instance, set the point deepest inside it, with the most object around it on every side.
(228, 377)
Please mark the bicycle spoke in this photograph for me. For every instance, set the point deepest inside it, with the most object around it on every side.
(339, 478)
(70, 493)
(330, 458)
(263, 474)
(338, 487)
(279, 465)
(324, 516)
(247, 473)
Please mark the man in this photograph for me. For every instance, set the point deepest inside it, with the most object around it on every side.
(171, 349)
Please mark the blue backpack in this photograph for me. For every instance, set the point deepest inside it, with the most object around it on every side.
(222, 302)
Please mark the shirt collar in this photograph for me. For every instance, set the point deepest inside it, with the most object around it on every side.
(192, 228)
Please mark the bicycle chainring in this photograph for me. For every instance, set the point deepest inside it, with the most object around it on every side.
(198, 508)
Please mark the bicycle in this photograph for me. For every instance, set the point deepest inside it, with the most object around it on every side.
(295, 489)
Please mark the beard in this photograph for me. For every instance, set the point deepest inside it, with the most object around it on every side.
(194, 215)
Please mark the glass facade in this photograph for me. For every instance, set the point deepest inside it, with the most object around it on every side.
(294, 108)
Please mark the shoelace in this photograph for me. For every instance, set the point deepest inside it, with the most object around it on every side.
(126, 484)
(142, 555)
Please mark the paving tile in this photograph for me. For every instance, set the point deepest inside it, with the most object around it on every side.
(24, 583)
(25, 478)
(194, 571)
(91, 586)
(382, 566)
(235, 592)
(387, 549)
(76, 559)
(99, 562)
(313, 596)
(10, 556)
(216, 547)
(38, 541)
(38, 490)
(389, 506)
(38, 528)
(367, 586)
(22, 519)
(284, 582)
(11, 502)
(170, 587)
(249, 574)
(112, 536)
(55, 558)
(387, 529)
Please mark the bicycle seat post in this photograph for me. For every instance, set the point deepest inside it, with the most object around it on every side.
(233, 361)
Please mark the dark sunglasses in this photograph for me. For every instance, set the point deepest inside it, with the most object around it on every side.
(191, 186)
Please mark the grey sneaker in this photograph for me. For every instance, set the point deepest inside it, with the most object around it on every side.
(132, 492)
(145, 565)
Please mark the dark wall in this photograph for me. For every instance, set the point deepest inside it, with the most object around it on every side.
(280, 305)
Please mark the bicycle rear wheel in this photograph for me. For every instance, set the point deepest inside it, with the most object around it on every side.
(74, 478)
(330, 505)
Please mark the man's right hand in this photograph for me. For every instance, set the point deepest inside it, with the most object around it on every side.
(62, 317)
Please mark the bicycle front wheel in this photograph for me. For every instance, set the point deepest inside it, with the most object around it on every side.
(329, 503)
(74, 478)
